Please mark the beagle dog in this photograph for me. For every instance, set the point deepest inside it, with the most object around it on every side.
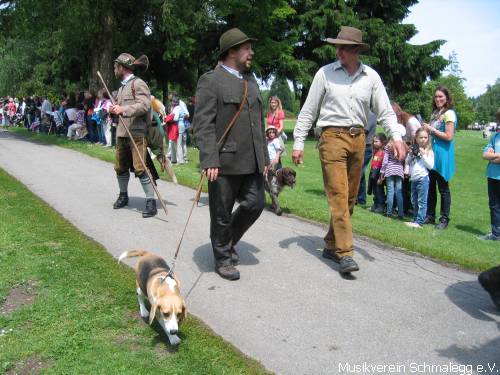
(162, 290)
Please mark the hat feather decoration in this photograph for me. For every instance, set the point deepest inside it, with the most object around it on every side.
(142, 62)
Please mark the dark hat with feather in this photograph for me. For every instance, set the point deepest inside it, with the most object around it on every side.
(130, 62)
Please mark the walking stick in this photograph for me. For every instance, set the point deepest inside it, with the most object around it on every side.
(135, 148)
(167, 165)
(202, 177)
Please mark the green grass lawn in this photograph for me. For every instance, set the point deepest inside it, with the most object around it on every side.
(457, 244)
(83, 318)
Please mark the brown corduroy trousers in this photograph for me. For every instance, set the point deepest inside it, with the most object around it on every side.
(341, 156)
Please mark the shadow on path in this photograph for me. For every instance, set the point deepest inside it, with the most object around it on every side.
(204, 258)
(314, 246)
(469, 297)
(473, 300)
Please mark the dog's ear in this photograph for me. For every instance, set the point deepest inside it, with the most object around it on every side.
(183, 314)
(154, 306)
(152, 312)
(174, 276)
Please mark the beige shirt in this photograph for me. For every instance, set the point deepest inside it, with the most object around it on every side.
(338, 99)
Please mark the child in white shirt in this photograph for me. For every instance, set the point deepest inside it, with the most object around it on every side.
(274, 147)
(419, 161)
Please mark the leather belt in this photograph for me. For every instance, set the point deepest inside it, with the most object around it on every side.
(353, 131)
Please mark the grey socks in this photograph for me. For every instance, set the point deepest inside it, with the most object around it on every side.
(123, 182)
(145, 182)
(146, 186)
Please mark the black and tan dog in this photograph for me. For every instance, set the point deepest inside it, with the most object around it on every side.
(275, 182)
(162, 289)
(490, 281)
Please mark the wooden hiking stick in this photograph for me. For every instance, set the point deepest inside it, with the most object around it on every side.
(135, 148)
(167, 165)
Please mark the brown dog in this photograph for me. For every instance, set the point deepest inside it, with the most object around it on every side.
(162, 289)
(275, 182)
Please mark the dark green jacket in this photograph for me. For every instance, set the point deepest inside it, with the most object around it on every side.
(218, 97)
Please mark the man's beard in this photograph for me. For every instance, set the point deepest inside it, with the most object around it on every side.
(245, 66)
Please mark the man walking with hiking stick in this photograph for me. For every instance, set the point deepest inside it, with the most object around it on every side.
(228, 95)
(133, 104)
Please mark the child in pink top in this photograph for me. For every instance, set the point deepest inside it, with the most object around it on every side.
(373, 187)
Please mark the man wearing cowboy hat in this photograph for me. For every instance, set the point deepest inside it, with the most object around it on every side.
(133, 104)
(235, 168)
(340, 99)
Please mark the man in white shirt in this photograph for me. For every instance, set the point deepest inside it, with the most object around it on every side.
(340, 98)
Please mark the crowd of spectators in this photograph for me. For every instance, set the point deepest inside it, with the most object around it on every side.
(409, 189)
(84, 116)
(78, 116)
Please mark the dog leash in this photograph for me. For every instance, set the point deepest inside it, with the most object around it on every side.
(196, 199)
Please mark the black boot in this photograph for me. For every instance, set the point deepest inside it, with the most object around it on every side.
(122, 201)
(150, 209)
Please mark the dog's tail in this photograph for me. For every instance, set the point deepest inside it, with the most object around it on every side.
(132, 253)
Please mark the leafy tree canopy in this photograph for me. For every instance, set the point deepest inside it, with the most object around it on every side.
(486, 105)
(53, 46)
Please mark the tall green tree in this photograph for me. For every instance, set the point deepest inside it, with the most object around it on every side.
(421, 101)
(280, 88)
(402, 66)
(66, 42)
(62, 44)
(487, 104)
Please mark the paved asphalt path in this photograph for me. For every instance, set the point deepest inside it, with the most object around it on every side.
(291, 310)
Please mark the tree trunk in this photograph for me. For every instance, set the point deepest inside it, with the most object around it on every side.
(101, 58)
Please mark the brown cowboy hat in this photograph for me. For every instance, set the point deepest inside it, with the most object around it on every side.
(130, 62)
(232, 38)
(349, 36)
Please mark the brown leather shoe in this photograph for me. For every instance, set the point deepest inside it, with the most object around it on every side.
(228, 272)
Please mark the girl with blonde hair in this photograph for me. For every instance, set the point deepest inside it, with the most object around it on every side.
(276, 116)
(419, 161)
